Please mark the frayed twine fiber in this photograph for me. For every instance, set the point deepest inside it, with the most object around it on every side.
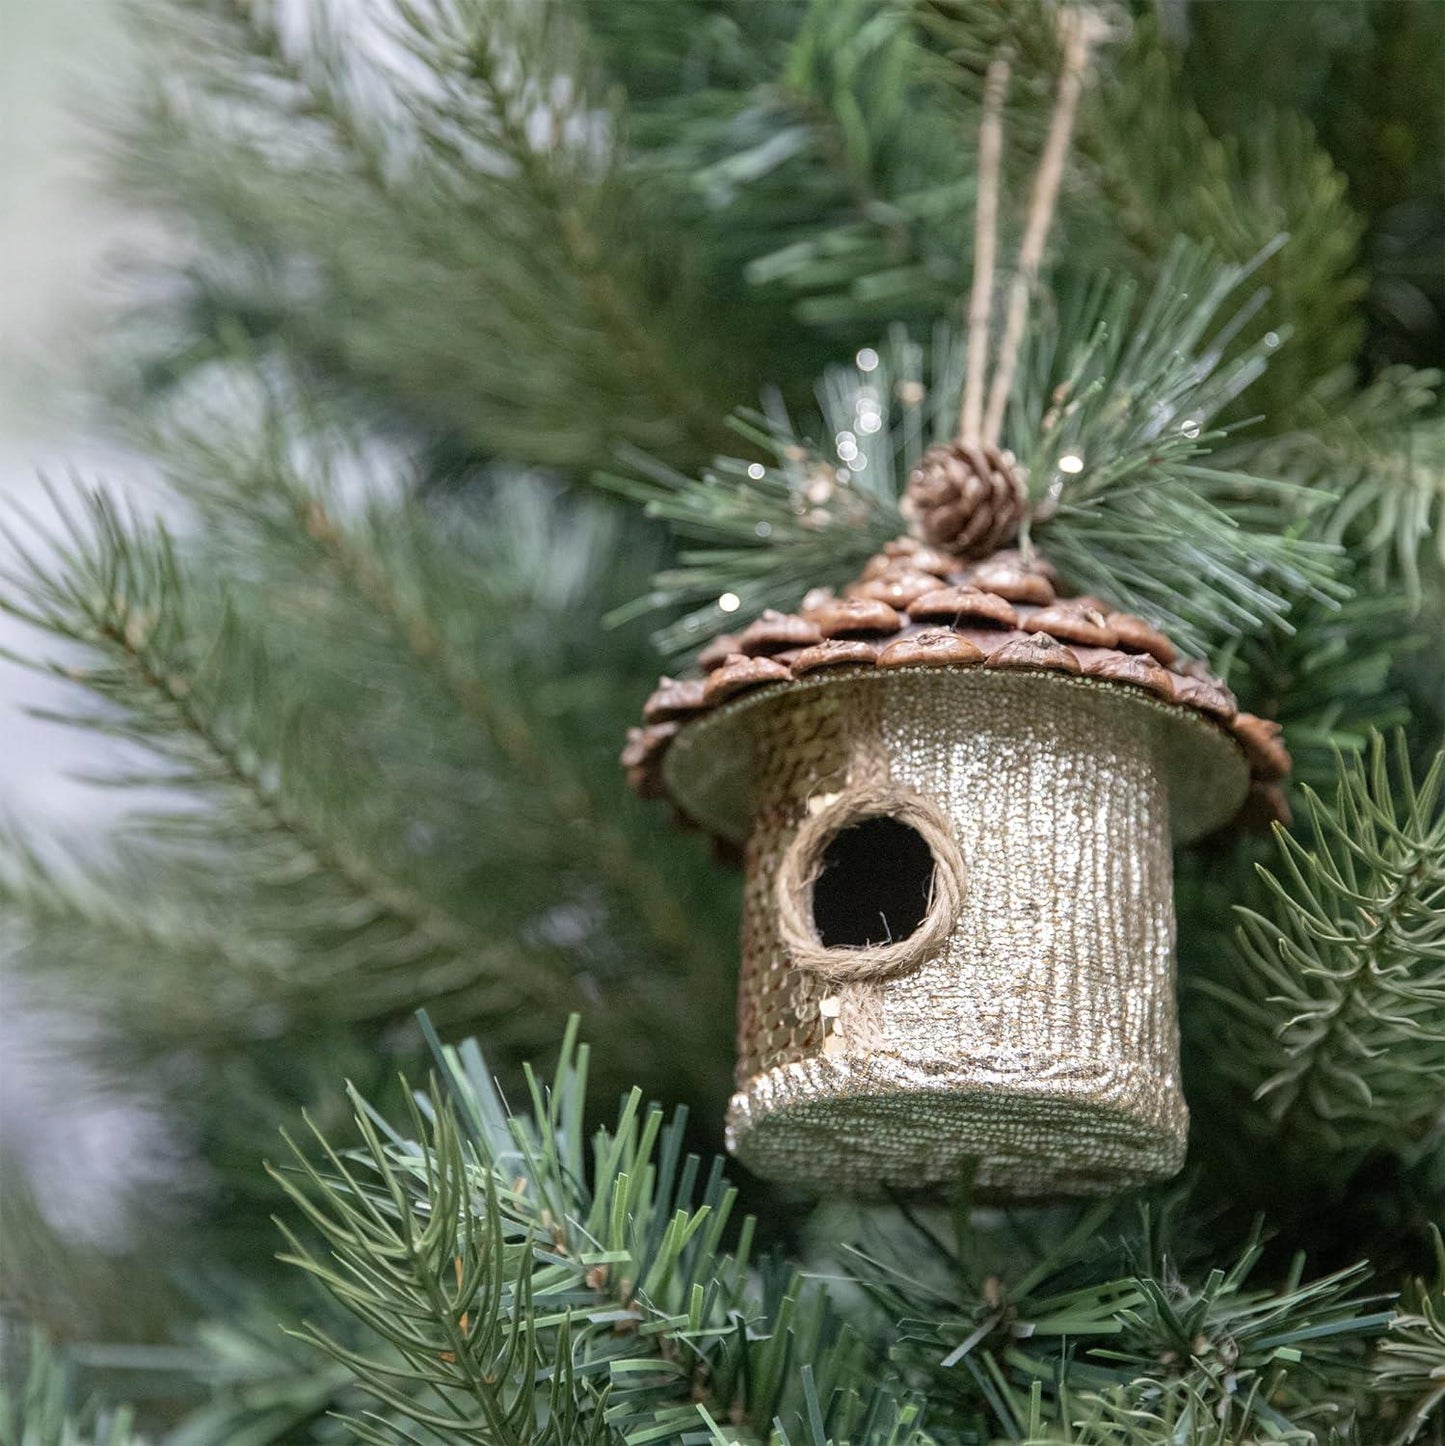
(803, 863)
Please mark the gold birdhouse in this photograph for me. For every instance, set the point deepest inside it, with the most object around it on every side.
(956, 792)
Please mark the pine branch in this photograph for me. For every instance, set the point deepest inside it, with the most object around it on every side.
(523, 1293)
(42, 1412)
(481, 1377)
(542, 324)
(493, 43)
(1131, 398)
(472, 850)
(1112, 1418)
(1332, 678)
(810, 150)
(1127, 1329)
(179, 673)
(416, 579)
(261, 1385)
(1332, 1013)
(1410, 1361)
(489, 618)
(1161, 174)
(59, 1285)
(1110, 420)
(189, 972)
(1151, 170)
(1381, 454)
(420, 626)
(858, 129)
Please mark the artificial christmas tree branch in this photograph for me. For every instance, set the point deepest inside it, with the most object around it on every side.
(1381, 454)
(384, 577)
(1333, 679)
(596, 1294)
(585, 251)
(841, 173)
(395, 580)
(128, 598)
(1152, 164)
(1133, 501)
(1141, 1332)
(404, 947)
(1334, 1010)
(43, 1409)
(1162, 173)
(393, 566)
(504, 241)
(517, 736)
(1410, 1363)
(390, 1212)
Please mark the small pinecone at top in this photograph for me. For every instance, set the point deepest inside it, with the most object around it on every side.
(964, 499)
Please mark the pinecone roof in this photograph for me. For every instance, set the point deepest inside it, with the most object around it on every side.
(915, 606)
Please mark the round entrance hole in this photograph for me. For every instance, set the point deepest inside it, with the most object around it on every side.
(875, 885)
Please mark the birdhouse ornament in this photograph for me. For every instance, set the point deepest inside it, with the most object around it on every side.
(956, 789)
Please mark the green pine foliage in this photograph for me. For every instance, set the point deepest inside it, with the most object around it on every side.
(451, 287)
(285, 822)
(1113, 1313)
(1410, 1364)
(1112, 424)
(1270, 180)
(807, 150)
(43, 1411)
(1382, 452)
(520, 1282)
(1339, 981)
(504, 178)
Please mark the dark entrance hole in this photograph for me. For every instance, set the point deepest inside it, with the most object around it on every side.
(874, 887)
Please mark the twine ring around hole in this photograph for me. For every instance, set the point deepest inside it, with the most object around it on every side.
(803, 863)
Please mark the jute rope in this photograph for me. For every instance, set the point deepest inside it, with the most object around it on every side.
(869, 794)
(985, 248)
(1079, 30)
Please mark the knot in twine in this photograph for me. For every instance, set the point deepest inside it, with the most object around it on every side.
(802, 865)
(966, 498)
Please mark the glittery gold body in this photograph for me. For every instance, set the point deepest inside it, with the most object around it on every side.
(1038, 1050)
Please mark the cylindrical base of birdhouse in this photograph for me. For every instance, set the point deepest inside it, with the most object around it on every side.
(1035, 1049)
(886, 1123)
